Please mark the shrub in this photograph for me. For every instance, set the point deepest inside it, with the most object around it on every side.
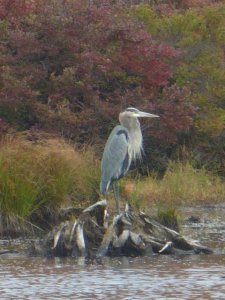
(198, 33)
(62, 59)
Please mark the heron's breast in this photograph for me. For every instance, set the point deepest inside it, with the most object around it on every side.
(135, 146)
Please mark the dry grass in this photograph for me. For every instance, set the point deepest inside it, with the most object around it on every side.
(43, 175)
(181, 185)
(48, 174)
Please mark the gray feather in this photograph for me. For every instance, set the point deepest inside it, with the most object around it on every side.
(115, 160)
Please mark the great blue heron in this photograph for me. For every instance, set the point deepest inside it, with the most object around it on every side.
(123, 146)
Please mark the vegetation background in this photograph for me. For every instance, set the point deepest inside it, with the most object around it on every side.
(68, 67)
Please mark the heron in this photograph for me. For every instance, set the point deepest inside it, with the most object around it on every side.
(124, 145)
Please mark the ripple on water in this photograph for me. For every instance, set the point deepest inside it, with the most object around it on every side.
(158, 277)
(161, 277)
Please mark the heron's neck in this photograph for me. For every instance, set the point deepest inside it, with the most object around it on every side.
(135, 144)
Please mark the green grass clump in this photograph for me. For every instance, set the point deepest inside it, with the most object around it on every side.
(43, 177)
(168, 215)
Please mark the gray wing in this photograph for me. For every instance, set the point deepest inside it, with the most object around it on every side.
(115, 160)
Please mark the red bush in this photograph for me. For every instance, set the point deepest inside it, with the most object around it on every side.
(70, 66)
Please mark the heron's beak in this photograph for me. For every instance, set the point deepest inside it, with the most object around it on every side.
(142, 114)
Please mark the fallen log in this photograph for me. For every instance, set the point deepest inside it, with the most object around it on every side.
(91, 235)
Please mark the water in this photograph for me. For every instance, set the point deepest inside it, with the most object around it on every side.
(210, 230)
(157, 277)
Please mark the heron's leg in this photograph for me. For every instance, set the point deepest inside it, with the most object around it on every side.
(116, 189)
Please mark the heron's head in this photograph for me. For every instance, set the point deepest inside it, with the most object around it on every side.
(130, 115)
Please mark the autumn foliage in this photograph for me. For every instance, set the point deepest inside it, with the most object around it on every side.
(69, 66)
(199, 34)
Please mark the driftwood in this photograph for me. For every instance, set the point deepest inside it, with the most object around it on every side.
(129, 233)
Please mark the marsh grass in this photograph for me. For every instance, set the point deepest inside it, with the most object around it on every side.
(37, 178)
(168, 215)
(42, 177)
(182, 184)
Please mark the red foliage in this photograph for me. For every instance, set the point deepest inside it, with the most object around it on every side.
(14, 10)
(176, 113)
(75, 66)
